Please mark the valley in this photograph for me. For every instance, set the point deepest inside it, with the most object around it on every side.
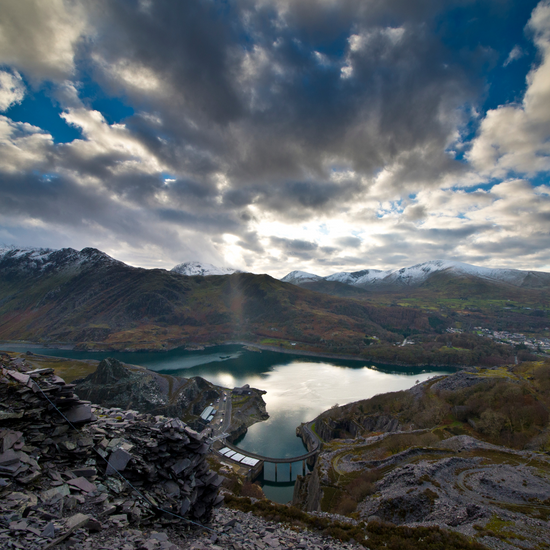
(92, 302)
(431, 413)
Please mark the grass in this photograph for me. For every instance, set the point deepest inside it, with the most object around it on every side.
(314, 430)
(238, 401)
(498, 528)
(499, 372)
(68, 369)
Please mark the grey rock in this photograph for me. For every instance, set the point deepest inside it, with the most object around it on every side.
(78, 520)
(118, 461)
(79, 414)
(9, 457)
(48, 531)
(83, 484)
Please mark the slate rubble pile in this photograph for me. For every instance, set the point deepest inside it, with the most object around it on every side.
(56, 479)
(229, 530)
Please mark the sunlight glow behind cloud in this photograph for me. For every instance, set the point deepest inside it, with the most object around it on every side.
(279, 135)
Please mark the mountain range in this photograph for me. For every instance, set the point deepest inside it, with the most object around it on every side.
(88, 299)
(421, 274)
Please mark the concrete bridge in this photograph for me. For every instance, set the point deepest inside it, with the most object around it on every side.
(258, 468)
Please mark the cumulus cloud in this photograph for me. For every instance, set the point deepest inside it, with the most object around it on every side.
(23, 146)
(40, 38)
(12, 89)
(516, 137)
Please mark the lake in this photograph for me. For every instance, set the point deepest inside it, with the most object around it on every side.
(298, 389)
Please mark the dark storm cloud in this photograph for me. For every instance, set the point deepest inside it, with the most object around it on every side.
(296, 248)
(214, 223)
(294, 199)
(54, 200)
(507, 247)
(294, 114)
(442, 235)
(250, 242)
(188, 43)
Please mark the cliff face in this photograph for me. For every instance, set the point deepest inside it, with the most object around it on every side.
(307, 492)
(246, 410)
(114, 384)
(330, 428)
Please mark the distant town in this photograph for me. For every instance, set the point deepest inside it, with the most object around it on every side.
(511, 338)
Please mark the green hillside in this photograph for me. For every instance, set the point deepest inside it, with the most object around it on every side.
(109, 305)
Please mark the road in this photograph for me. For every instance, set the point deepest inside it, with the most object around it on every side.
(221, 423)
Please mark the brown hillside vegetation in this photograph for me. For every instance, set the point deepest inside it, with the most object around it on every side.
(506, 405)
(115, 307)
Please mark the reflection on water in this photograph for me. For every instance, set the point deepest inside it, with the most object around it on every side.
(298, 389)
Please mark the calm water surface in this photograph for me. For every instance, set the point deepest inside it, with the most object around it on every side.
(298, 389)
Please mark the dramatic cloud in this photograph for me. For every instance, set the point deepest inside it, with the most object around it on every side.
(275, 135)
(40, 38)
(516, 137)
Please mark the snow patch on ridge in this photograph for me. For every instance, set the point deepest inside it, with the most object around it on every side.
(417, 274)
(350, 278)
(48, 259)
(297, 277)
(201, 268)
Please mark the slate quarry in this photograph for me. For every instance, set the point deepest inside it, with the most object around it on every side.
(66, 464)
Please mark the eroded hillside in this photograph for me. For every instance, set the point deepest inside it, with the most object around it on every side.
(466, 452)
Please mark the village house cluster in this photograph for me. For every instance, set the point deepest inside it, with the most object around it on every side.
(516, 338)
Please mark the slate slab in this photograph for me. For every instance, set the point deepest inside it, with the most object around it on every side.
(10, 439)
(83, 484)
(78, 414)
(9, 457)
(76, 521)
(118, 461)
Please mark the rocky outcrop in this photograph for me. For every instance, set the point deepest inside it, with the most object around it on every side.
(330, 428)
(120, 467)
(247, 409)
(115, 384)
(307, 492)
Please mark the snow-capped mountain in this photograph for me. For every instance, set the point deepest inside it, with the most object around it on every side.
(201, 268)
(350, 278)
(45, 260)
(299, 277)
(418, 274)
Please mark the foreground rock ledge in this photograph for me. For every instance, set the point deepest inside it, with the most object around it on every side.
(57, 477)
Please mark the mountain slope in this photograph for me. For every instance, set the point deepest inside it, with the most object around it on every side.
(86, 297)
(419, 275)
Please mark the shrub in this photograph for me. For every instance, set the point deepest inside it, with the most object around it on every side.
(252, 490)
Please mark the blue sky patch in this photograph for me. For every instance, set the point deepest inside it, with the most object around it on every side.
(40, 110)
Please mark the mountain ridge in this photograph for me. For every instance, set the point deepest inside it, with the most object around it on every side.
(42, 260)
(420, 274)
(89, 300)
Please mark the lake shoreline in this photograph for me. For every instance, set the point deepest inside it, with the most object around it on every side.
(341, 357)
(263, 347)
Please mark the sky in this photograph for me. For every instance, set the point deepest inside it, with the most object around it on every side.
(274, 135)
